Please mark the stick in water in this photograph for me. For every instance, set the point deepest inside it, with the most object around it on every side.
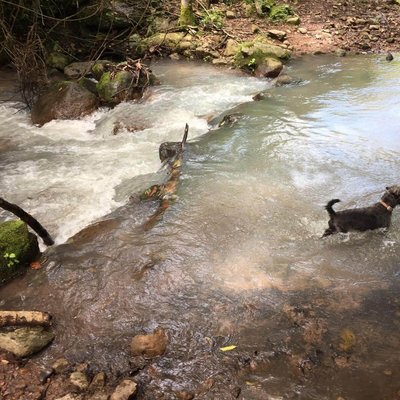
(28, 219)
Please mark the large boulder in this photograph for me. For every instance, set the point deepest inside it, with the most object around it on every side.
(24, 342)
(18, 247)
(63, 100)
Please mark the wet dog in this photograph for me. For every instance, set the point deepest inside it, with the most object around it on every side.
(363, 219)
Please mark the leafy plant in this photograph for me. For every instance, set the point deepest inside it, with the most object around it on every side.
(11, 259)
(212, 19)
(252, 64)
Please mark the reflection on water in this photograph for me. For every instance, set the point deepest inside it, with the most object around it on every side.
(238, 258)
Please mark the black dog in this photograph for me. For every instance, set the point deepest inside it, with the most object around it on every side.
(363, 219)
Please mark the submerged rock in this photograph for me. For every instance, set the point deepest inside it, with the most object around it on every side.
(125, 390)
(64, 100)
(151, 345)
(18, 247)
(24, 342)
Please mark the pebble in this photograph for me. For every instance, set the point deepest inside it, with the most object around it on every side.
(45, 374)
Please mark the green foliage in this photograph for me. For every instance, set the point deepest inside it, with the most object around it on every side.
(212, 18)
(10, 259)
(251, 64)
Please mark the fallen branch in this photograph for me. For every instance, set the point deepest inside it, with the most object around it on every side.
(10, 318)
(28, 219)
(171, 156)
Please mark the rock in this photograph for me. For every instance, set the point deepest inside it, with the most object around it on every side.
(347, 340)
(283, 80)
(89, 84)
(231, 48)
(269, 68)
(18, 247)
(263, 7)
(255, 28)
(99, 68)
(57, 60)
(374, 27)
(229, 120)
(184, 395)
(175, 56)
(79, 379)
(340, 52)
(252, 54)
(151, 345)
(293, 20)
(220, 61)
(98, 381)
(159, 24)
(24, 342)
(230, 14)
(303, 31)
(70, 396)
(276, 34)
(125, 390)
(99, 396)
(280, 13)
(64, 100)
(389, 57)
(259, 96)
(60, 365)
(45, 374)
(174, 41)
(78, 69)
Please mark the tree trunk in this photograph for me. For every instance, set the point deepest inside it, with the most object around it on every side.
(186, 16)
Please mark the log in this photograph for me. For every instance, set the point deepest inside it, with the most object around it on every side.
(28, 219)
(10, 318)
(170, 155)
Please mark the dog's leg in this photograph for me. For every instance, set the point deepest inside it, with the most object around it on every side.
(331, 230)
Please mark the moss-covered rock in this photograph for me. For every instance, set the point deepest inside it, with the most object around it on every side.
(57, 60)
(98, 68)
(250, 55)
(18, 247)
(281, 12)
(176, 42)
(263, 7)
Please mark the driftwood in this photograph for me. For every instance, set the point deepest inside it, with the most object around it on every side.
(10, 318)
(171, 154)
(28, 219)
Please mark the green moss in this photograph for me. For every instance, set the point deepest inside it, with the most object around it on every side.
(17, 240)
(280, 13)
(116, 88)
(57, 60)
(186, 16)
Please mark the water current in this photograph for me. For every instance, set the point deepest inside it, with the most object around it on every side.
(237, 259)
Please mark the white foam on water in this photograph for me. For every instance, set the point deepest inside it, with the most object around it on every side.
(65, 173)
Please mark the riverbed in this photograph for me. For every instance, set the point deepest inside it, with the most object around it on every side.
(238, 258)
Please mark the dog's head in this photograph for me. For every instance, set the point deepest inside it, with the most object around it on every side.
(394, 191)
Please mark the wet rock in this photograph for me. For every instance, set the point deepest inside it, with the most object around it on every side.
(89, 84)
(64, 100)
(269, 68)
(230, 119)
(98, 382)
(79, 380)
(45, 374)
(70, 396)
(347, 340)
(125, 390)
(276, 34)
(60, 365)
(24, 342)
(340, 52)
(18, 247)
(389, 57)
(284, 79)
(151, 345)
(184, 395)
(259, 96)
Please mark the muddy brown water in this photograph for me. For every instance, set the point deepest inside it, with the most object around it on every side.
(237, 259)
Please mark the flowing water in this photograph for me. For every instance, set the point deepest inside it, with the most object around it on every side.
(237, 259)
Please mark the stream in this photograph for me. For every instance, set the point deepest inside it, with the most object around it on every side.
(238, 258)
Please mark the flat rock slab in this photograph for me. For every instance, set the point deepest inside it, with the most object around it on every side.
(24, 342)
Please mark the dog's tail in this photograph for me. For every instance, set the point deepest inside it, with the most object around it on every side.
(329, 208)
